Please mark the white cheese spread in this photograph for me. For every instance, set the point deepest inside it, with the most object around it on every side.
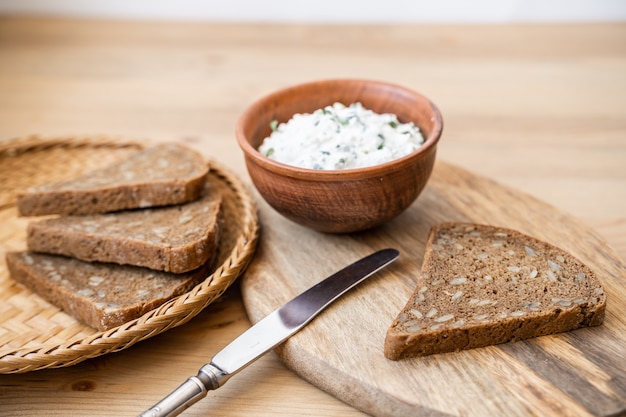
(339, 137)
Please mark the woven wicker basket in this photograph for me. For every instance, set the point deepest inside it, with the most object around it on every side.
(36, 335)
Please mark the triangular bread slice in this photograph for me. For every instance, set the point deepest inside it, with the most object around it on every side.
(101, 295)
(157, 176)
(482, 285)
(173, 239)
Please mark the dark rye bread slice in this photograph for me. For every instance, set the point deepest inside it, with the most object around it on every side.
(173, 239)
(482, 285)
(103, 296)
(157, 176)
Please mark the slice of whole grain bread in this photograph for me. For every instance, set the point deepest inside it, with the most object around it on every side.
(160, 175)
(483, 285)
(174, 239)
(103, 296)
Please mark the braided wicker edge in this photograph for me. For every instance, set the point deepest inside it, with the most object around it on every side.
(171, 314)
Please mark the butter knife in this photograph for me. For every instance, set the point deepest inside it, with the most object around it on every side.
(274, 329)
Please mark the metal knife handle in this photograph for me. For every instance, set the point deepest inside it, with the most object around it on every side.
(269, 332)
(190, 392)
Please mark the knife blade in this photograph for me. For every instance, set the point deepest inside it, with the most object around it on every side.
(269, 332)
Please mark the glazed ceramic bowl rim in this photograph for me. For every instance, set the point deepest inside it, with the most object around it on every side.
(329, 175)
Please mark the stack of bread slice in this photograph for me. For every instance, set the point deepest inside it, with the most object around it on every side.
(119, 241)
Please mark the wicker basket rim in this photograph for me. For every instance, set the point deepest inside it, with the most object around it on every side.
(173, 313)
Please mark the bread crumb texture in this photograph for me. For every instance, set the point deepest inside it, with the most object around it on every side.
(176, 238)
(101, 295)
(483, 285)
(163, 174)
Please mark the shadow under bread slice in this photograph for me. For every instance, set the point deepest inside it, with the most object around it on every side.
(103, 296)
(156, 176)
(174, 238)
(482, 285)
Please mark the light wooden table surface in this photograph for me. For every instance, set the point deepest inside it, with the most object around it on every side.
(540, 108)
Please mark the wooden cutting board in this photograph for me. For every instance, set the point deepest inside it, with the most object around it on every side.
(571, 374)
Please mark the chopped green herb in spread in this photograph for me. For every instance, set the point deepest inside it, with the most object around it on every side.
(341, 137)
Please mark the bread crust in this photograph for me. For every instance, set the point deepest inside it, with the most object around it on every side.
(482, 285)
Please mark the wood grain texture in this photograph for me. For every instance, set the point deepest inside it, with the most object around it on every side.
(575, 373)
(541, 108)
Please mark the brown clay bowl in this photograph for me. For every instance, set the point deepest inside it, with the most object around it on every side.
(340, 201)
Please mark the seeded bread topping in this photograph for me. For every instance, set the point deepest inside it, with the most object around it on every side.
(482, 285)
(175, 239)
(103, 296)
(160, 175)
